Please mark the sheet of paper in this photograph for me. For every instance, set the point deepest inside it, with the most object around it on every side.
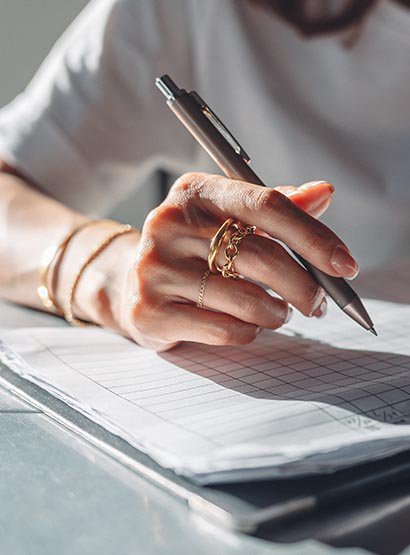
(318, 396)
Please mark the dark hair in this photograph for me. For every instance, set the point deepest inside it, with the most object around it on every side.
(296, 13)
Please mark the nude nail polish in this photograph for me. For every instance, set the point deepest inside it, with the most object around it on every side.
(344, 263)
(317, 302)
(311, 184)
(321, 311)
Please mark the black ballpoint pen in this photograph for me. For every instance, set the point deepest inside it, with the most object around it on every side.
(228, 154)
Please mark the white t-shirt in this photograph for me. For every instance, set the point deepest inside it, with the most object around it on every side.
(91, 124)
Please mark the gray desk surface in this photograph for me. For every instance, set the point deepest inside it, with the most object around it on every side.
(60, 495)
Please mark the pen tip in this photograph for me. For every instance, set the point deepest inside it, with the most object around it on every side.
(374, 332)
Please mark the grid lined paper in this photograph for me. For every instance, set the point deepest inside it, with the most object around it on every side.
(289, 403)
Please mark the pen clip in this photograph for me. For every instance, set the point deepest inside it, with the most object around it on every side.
(216, 122)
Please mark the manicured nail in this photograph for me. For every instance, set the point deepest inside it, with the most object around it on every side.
(317, 302)
(289, 314)
(344, 263)
(321, 310)
(311, 184)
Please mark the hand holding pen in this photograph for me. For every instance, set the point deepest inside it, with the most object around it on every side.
(166, 294)
(173, 303)
(320, 251)
(147, 286)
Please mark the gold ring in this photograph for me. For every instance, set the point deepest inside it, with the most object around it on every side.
(232, 248)
(216, 243)
(200, 303)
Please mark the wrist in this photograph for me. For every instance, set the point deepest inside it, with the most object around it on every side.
(101, 282)
(103, 293)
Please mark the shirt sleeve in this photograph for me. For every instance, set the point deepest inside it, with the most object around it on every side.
(91, 123)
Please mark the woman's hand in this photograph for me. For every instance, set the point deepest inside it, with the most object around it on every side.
(149, 285)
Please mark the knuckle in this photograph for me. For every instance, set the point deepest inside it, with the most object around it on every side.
(274, 259)
(267, 258)
(317, 240)
(149, 314)
(147, 257)
(186, 194)
(151, 222)
(160, 218)
(266, 201)
(187, 182)
(143, 310)
(150, 270)
(249, 305)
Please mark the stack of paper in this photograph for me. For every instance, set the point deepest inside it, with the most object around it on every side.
(316, 397)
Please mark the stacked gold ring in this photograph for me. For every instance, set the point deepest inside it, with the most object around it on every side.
(240, 231)
(232, 249)
(216, 243)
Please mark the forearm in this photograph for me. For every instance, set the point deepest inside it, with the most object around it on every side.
(30, 222)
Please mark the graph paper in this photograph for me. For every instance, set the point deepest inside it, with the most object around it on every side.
(317, 396)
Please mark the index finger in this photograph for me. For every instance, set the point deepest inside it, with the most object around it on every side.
(279, 217)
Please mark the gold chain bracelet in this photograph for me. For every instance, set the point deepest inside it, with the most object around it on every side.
(68, 313)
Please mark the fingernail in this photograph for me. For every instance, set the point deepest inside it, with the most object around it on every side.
(289, 314)
(321, 310)
(258, 330)
(317, 302)
(311, 184)
(344, 263)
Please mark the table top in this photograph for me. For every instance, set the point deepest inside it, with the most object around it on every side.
(60, 494)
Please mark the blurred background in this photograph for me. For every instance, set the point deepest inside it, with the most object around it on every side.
(28, 30)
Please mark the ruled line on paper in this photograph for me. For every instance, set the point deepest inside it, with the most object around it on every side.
(287, 392)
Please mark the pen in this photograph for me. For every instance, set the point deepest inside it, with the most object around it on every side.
(228, 154)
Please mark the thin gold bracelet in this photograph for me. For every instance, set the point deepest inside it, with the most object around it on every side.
(68, 313)
(50, 256)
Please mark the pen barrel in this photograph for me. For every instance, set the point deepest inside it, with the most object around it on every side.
(337, 288)
(189, 112)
